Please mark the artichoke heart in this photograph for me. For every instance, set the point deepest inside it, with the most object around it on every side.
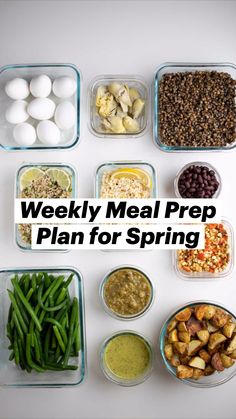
(120, 112)
(133, 94)
(107, 105)
(130, 124)
(137, 108)
(121, 93)
(114, 124)
(101, 91)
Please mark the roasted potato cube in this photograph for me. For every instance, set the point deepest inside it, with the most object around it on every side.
(209, 312)
(184, 315)
(184, 372)
(216, 362)
(197, 362)
(171, 325)
(232, 345)
(180, 347)
(182, 327)
(203, 335)
(194, 346)
(200, 312)
(204, 355)
(168, 349)
(209, 370)
(228, 329)
(233, 354)
(193, 326)
(215, 339)
(173, 336)
(175, 360)
(197, 374)
(211, 328)
(226, 361)
(184, 337)
(184, 359)
(220, 318)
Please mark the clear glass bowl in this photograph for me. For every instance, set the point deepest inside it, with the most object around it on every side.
(204, 382)
(66, 167)
(114, 378)
(174, 67)
(109, 166)
(95, 121)
(10, 374)
(198, 163)
(70, 138)
(120, 316)
(208, 276)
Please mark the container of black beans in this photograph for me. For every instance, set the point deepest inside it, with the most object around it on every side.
(197, 180)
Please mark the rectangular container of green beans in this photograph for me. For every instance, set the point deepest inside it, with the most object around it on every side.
(42, 327)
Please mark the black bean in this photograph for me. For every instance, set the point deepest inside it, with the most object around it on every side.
(197, 182)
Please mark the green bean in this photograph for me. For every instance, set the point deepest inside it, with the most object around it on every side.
(33, 282)
(47, 343)
(53, 287)
(71, 329)
(61, 296)
(60, 328)
(46, 279)
(36, 347)
(27, 305)
(40, 347)
(18, 327)
(17, 311)
(16, 350)
(26, 282)
(43, 306)
(22, 309)
(68, 281)
(29, 294)
(59, 339)
(58, 367)
(28, 355)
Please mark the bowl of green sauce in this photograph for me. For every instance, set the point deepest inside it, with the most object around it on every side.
(126, 358)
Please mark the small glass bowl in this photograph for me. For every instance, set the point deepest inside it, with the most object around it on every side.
(110, 166)
(115, 314)
(66, 167)
(204, 382)
(208, 276)
(10, 374)
(174, 67)
(198, 163)
(114, 378)
(95, 121)
(70, 138)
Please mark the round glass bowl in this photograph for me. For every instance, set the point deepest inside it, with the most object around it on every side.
(127, 362)
(197, 163)
(216, 378)
(124, 289)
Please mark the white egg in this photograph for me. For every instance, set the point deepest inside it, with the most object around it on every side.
(24, 134)
(48, 133)
(17, 112)
(65, 115)
(41, 108)
(41, 86)
(17, 89)
(64, 87)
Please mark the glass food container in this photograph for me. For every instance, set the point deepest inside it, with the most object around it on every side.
(213, 380)
(198, 163)
(209, 276)
(174, 67)
(13, 376)
(115, 378)
(95, 120)
(110, 166)
(69, 169)
(70, 137)
(112, 312)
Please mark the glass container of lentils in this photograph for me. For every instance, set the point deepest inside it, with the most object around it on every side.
(197, 180)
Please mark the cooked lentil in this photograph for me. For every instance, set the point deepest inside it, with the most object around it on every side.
(127, 292)
(197, 109)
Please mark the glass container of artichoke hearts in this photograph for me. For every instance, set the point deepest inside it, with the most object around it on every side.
(118, 106)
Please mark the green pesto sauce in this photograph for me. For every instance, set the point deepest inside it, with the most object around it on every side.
(127, 356)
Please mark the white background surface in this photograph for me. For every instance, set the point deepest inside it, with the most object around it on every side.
(107, 38)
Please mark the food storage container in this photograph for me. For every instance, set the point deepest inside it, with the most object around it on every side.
(208, 276)
(115, 314)
(110, 166)
(13, 376)
(198, 163)
(95, 120)
(70, 137)
(216, 378)
(115, 378)
(68, 168)
(174, 67)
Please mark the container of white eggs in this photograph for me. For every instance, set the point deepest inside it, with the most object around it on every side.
(39, 106)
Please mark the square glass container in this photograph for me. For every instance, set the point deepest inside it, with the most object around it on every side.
(69, 138)
(43, 166)
(208, 276)
(110, 166)
(95, 121)
(13, 376)
(185, 67)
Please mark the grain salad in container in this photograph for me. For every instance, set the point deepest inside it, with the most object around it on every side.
(216, 260)
(194, 107)
(42, 180)
(118, 106)
(198, 344)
